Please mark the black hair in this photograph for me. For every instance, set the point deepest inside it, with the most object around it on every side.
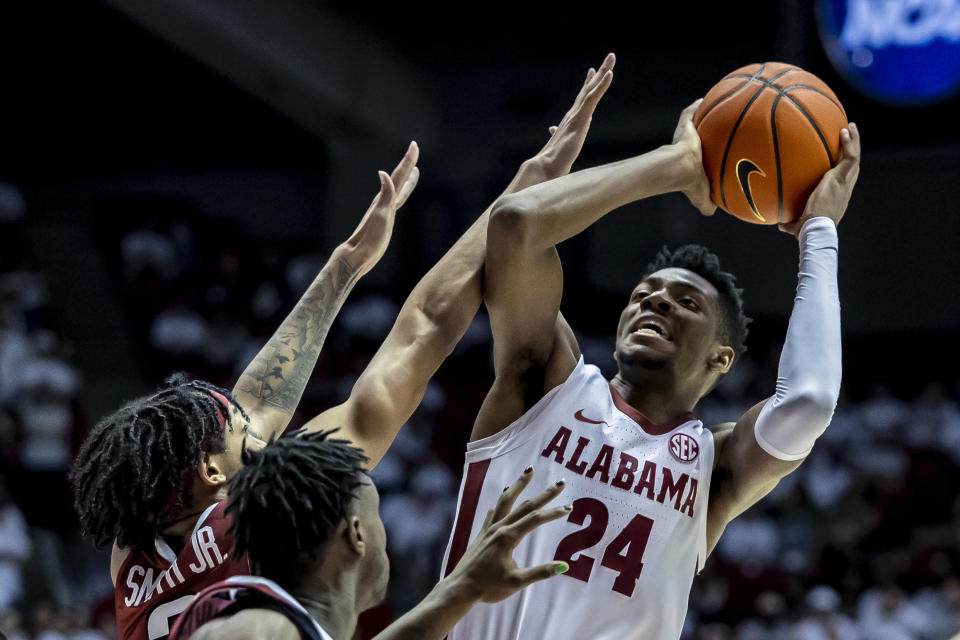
(290, 497)
(136, 466)
(700, 260)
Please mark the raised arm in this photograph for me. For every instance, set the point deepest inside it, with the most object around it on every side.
(271, 386)
(440, 308)
(524, 279)
(773, 438)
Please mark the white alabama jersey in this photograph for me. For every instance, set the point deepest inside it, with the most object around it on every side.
(636, 536)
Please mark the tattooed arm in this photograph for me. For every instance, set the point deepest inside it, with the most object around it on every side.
(271, 386)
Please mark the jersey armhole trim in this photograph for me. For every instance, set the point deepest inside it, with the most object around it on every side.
(706, 473)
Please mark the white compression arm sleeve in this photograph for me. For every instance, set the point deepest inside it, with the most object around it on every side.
(808, 380)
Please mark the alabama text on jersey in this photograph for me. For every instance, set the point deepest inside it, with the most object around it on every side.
(635, 538)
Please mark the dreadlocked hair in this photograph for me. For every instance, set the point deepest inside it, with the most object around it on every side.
(136, 465)
(289, 498)
(700, 260)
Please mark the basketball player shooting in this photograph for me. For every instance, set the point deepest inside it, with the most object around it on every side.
(652, 488)
(151, 478)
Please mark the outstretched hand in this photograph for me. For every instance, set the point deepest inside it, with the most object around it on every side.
(832, 195)
(696, 186)
(487, 570)
(566, 139)
(369, 240)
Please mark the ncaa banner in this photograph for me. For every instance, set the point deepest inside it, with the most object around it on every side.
(904, 52)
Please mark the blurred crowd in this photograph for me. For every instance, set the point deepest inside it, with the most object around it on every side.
(862, 542)
(49, 588)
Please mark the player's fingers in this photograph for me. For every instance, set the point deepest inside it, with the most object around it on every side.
(531, 521)
(850, 141)
(408, 186)
(493, 512)
(597, 78)
(407, 163)
(609, 62)
(584, 88)
(387, 191)
(489, 519)
(848, 167)
(526, 577)
(853, 146)
(590, 102)
(552, 130)
(687, 113)
(535, 503)
(509, 496)
(402, 171)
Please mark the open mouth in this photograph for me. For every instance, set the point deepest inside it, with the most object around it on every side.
(650, 328)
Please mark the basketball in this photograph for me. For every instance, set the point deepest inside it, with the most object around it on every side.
(769, 133)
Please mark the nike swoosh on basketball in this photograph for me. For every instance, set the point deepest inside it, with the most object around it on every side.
(579, 416)
(744, 169)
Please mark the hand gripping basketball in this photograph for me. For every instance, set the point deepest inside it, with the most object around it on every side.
(770, 132)
(487, 571)
(832, 194)
(696, 185)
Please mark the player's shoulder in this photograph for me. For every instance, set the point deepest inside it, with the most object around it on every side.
(248, 624)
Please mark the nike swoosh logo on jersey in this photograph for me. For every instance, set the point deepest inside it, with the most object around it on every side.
(579, 416)
(744, 169)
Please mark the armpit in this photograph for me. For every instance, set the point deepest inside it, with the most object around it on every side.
(721, 435)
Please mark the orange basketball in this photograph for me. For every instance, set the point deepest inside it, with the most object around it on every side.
(769, 132)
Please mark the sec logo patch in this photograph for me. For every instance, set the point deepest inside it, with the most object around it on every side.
(684, 448)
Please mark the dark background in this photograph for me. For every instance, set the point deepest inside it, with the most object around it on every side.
(263, 124)
(97, 106)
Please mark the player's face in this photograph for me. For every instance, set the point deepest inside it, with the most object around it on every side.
(670, 323)
(376, 565)
(238, 433)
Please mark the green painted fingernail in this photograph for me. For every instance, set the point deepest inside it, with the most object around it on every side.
(563, 567)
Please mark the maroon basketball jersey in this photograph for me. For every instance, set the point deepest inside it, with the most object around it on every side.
(245, 592)
(155, 584)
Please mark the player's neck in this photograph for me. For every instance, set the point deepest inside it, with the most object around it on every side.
(335, 609)
(180, 527)
(660, 402)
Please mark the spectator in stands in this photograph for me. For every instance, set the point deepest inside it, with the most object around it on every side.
(14, 548)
